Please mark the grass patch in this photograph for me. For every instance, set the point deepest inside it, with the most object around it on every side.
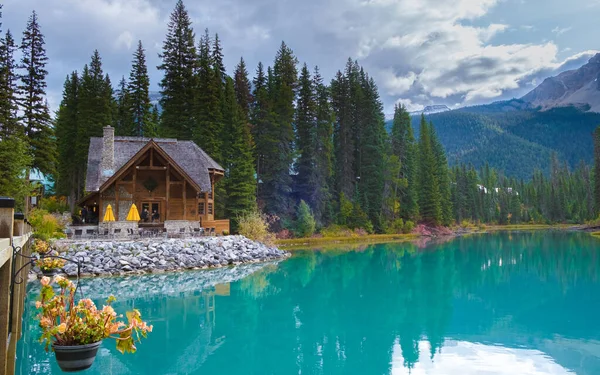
(297, 243)
(491, 228)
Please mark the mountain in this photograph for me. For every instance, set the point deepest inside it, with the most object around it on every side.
(430, 109)
(578, 87)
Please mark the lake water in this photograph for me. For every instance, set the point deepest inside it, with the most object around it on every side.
(509, 303)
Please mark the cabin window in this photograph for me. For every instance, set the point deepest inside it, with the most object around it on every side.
(210, 208)
(210, 195)
(201, 208)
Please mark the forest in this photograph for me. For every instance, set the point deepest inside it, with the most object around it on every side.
(307, 153)
(481, 134)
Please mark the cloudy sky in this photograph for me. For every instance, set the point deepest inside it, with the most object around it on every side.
(421, 52)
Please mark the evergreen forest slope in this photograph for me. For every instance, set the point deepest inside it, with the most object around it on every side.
(514, 137)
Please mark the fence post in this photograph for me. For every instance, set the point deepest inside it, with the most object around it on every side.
(7, 206)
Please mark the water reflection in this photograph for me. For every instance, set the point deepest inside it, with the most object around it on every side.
(494, 304)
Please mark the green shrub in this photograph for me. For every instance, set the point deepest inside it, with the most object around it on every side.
(395, 226)
(54, 204)
(408, 227)
(335, 230)
(305, 221)
(254, 226)
(45, 225)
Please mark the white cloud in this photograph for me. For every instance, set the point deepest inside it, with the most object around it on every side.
(561, 30)
(466, 358)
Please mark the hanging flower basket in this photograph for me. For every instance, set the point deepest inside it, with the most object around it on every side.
(75, 329)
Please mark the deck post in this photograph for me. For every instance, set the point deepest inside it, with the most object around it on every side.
(7, 206)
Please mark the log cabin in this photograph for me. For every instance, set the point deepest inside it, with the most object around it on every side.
(171, 182)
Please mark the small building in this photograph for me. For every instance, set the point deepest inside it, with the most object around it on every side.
(171, 182)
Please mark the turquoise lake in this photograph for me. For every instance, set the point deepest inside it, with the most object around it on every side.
(509, 303)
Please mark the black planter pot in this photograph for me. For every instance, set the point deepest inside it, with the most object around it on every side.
(51, 272)
(76, 358)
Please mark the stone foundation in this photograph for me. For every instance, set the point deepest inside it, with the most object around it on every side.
(173, 226)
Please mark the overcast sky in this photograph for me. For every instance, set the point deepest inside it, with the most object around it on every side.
(420, 52)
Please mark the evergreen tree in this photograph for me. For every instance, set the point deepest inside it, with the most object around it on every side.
(138, 90)
(429, 191)
(261, 117)
(8, 87)
(443, 177)
(305, 123)
(15, 157)
(240, 185)
(69, 179)
(95, 110)
(124, 116)
(243, 89)
(208, 133)
(323, 150)
(275, 176)
(305, 222)
(178, 83)
(372, 153)
(404, 147)
(35, 119)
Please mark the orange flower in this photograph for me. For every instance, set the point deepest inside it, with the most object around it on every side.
(45, 281)
(62, 327)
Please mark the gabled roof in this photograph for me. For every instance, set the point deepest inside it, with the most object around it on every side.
(186, 154)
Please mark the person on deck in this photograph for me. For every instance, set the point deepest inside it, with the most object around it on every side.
(145, 215)
(155, 216)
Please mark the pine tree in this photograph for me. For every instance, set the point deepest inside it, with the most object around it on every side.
(442, 176)
(178, 84)
(124, 117)
(243, 94)
(261, 117)
(323, 151)
(35, 119)
(95, 110)
(8, 87)
(404, 147)
(305, 124)
(138, 90)
(344, 141)
(15, 157)
(69, 179)
(429, 192)
(240, 185)
(372, 153)
(305, 222)
(275, 176)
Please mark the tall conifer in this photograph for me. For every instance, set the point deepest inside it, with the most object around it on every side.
(178, 86)
(138, 90)
(8, 87)
(35, 119)
(429, 190)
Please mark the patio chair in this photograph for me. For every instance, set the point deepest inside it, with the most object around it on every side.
(212, 232)
(78, 233)
(104, 234)
(91, 233)
(181, 232)
(165, 233)
(116, 232)
(197, 232)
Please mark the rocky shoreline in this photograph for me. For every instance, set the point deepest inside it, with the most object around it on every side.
(99, 258)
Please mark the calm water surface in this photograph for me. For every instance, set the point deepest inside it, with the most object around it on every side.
(521, 303)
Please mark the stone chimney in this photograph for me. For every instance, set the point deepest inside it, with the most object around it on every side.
(107, 164)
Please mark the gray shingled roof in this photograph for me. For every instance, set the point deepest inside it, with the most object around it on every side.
(188, 156)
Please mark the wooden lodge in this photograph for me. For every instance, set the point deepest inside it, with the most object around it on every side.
(170, 181)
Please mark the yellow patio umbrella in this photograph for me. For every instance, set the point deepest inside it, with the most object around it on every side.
(109, 215)
(133, 214)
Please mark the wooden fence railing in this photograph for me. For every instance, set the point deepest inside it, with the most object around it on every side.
(15, 234)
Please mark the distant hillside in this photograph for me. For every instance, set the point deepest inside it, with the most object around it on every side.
(578, 87)
(514, 137)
